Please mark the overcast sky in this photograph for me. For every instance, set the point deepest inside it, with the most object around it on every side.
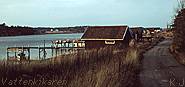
(87, 12)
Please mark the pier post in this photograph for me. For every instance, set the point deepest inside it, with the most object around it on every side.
(7, 56)
(56, 52)
(61, 48)
(15, 54)
(52, 51)
(7, 53)
(28, 55)
(44, 50)
(39, 54)
(60, 51)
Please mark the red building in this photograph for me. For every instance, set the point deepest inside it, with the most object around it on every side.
(102, 36)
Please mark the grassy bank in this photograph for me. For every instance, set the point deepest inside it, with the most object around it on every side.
(179, 55)
(178, 46)
(106, 67)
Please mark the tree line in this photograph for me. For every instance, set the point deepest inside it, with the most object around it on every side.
(19, 30)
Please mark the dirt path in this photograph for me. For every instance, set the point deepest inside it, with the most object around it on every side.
(160, 69)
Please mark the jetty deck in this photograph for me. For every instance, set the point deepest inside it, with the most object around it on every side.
(57, 47)
(14, 48)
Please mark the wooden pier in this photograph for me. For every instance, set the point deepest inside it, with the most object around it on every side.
(57, 48)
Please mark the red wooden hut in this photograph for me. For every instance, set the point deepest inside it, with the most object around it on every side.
(102, 36)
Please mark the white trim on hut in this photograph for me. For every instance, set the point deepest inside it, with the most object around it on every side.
(110, 42)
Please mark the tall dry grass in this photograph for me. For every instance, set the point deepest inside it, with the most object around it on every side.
(105, 67)
(177, 48)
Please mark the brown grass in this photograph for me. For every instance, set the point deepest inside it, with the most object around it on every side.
(106, 67)
(180, 56)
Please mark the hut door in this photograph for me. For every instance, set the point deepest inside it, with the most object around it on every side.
(110, 42)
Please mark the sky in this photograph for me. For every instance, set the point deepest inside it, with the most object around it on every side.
(42, 13)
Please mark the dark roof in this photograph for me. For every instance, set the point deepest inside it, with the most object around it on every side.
(153, 28)
(137, 29)
(104, 32)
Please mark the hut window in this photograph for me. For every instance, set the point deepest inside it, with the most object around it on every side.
(110, 42)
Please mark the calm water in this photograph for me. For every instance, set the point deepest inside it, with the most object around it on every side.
(32, 40)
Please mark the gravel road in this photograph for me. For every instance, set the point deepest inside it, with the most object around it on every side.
(160, 69)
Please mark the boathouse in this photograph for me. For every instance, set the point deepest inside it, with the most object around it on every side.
(137, 33)
(153, 30)
(102, 36)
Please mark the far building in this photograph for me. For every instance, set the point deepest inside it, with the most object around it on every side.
(153, 30)
(102, 36)
(150, 33)
(137, 33)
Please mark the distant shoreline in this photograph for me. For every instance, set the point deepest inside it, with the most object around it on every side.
(38, 34)
(23, 30)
